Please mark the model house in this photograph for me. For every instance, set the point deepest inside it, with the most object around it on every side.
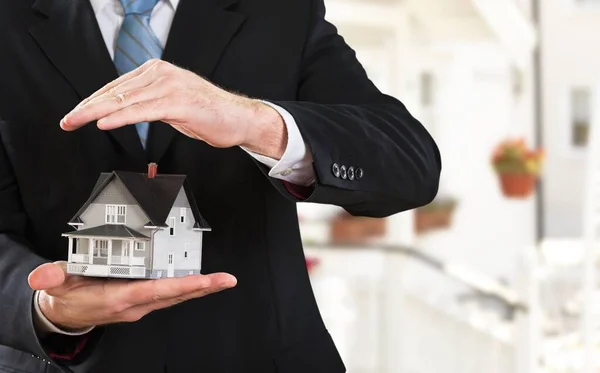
(137, 225)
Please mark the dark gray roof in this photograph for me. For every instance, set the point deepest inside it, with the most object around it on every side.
(75, 221)
(109, 230)
(155, 196)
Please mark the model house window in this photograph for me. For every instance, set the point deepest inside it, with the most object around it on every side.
(170, 258)
(185, 254)
(182, 213)
(115, 214)
(171, 227)
(101, 248)
(140, 246)
(581, 116)
(125, 249)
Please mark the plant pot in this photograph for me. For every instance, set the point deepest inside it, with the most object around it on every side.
(356, 230)
(427, 220)
(517, 185)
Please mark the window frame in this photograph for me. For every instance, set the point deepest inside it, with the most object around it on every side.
(98, 248)
(567, 120)
(182, 215)
(172, 222)
(115, 209)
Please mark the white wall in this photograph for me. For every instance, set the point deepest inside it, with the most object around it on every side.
(476, 109)
(185, 239)
(571, 57)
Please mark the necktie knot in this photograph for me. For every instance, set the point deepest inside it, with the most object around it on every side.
(142, 7)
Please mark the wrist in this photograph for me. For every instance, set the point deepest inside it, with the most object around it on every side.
(266, 133)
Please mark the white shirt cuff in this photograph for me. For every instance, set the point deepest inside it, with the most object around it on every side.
(48, 327)
(296, 164)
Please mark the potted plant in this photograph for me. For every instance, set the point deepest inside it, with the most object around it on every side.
(436, 215)
(349, 229)
(518, 167)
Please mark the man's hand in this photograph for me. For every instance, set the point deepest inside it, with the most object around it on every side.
(159, 91)
(74, 303)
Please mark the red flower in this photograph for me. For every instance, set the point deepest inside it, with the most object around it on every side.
(311, 263)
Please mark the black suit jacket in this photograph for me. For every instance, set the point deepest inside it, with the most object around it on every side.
(52, 56)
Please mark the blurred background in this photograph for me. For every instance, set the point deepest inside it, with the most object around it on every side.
(498, 274)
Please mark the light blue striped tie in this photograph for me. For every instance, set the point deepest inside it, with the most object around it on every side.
(137, 44)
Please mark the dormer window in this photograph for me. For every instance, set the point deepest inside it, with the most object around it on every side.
(115, 214)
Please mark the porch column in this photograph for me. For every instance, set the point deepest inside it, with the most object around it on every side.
(109, 259)
(91, 251)
(70, 249)
(131, 249)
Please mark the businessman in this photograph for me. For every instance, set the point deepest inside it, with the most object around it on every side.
(260, 103)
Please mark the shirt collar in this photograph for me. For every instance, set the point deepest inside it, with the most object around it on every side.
(98, 5)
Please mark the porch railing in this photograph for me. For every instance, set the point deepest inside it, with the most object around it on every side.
(80, 258)
(124, 260)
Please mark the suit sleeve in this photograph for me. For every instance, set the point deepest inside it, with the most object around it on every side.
(346, 121)
(17, 260)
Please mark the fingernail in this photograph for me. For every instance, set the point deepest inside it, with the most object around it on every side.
(230, 282)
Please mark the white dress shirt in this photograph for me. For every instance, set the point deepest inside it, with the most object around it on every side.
(296, 164)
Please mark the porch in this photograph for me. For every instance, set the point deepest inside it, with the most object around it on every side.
(107, 251)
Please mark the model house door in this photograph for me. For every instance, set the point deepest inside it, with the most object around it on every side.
(171, 266)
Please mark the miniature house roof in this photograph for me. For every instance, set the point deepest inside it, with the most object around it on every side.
(155, 196)
(109, 230)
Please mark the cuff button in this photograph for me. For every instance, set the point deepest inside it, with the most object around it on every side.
(350, 173)
(336, 170)
(343, 172)
(359, 173)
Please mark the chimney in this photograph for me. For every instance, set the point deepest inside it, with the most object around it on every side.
(152, 169)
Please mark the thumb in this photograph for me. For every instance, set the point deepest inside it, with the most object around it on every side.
(47, 276)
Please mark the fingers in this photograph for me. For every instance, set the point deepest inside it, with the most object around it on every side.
(140, 293)
(219, 282)
(113, 97)
(131, 92)
(47, 276)
(124, 78)
(145, 111)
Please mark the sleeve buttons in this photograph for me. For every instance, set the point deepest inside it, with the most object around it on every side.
(335, 168)
(343, 172)
(351, 173)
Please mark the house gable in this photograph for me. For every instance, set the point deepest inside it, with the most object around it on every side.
(181, 201)
(114, 193)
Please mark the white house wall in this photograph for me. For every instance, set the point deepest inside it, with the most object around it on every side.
(185, 239)
(476, 109)
(571, 59)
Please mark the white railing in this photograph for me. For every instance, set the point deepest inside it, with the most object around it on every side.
(138, 261)
(80, 258)
(124, 260)
(119, 260)
(381, 323)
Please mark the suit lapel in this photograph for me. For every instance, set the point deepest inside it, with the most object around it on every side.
(72, 41)
(199, 35)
